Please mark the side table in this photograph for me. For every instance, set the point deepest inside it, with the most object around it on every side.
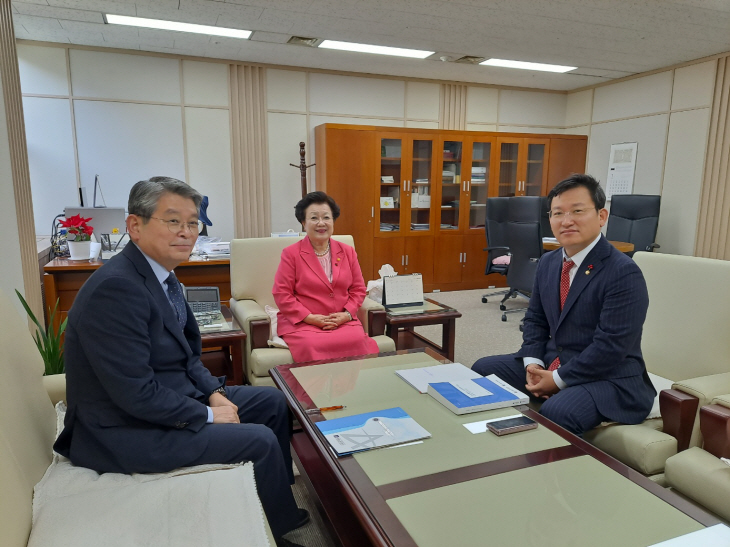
(226, 342)
(400, 329)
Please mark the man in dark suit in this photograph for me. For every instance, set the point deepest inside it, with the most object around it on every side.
(139, 398)
(581, 347)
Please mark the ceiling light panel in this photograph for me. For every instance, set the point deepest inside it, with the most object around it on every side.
(174, 25)
(527, 66)
(379, 50)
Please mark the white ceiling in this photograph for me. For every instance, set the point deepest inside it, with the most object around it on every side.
(605, 39)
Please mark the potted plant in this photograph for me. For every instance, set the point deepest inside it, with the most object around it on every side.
(49, 342)
(80, 245)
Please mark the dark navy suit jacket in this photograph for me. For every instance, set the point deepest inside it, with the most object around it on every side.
(136, 389)
(598, 333)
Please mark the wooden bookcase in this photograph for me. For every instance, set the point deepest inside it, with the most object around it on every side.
(416, 198)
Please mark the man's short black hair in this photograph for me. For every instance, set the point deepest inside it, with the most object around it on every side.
(576, 180)
(315, 197)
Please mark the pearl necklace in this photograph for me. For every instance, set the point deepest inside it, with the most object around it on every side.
(327, 250)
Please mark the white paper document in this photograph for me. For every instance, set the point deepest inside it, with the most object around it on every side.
(714, 536)
(421, 377)
(470, 389)
(481, 427)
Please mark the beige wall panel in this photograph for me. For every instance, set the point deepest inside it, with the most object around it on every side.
(638, 97)
(353, 95)
(119, 76)
(286, 90)
(531, 108)
(286, 131)
(481, 127)
(578, 108)
(650, 134)
(422, 125)
(51, 159)
(43, 70)
(580, 130)
(208, 137)
(694, 85)
(528, 129)
(422, 101)
(482, 105)
(683, 169)
(205, 83)
(11, 270)
(124, 143)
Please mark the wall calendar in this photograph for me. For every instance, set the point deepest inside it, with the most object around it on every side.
(621, 168)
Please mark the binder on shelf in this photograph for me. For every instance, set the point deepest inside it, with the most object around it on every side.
(463, 397)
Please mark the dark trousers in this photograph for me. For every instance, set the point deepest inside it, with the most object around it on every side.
(572, 408)
(262, 437)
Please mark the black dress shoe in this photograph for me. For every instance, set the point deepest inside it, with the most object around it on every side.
(302, 518)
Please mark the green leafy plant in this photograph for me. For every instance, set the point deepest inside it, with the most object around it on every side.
(49, 342)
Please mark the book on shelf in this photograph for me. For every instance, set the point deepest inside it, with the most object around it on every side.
(420, 377)
(465, 396)
(370, 430)
(387, 227)
(387, 179)
(476, 170)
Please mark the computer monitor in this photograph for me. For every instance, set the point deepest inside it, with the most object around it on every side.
(103, 219)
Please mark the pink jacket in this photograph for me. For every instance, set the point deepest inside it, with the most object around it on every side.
(301, 286)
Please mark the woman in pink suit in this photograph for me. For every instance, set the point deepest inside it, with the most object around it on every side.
(319, 287)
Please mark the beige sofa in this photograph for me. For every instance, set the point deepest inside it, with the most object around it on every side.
(46, 501)
(254, 263)
(699, 473)
(685, 343)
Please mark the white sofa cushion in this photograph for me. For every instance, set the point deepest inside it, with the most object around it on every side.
(206, 505)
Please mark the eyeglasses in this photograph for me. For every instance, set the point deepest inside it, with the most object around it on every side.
(324, 219)
(575, 214)
(176, 226)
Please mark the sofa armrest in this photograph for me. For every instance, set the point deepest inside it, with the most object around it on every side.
(371, 315)
(253, 320)
(705, 388)
(56, 387)
(678, 411)
(715, 426)
(723, 400)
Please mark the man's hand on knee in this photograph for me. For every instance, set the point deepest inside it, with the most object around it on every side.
(225, 414)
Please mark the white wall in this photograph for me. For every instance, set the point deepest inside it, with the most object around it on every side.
(667, 114)
(125, 118)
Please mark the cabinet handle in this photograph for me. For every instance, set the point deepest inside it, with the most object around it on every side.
(410, 189)
(404, 185)
(402, 260)
(406, 260)
(468, 189)
(464, 258)
(372, 212)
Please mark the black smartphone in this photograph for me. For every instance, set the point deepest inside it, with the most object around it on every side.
(511, 425)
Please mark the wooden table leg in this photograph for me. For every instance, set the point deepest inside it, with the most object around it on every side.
(237, 362)
(448, 340)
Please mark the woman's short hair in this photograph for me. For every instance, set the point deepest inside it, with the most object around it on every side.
(315, 197)
(145, 195)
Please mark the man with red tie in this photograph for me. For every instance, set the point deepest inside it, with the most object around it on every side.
(581, 348)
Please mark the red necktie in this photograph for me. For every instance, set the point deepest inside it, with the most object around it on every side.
(564, 288)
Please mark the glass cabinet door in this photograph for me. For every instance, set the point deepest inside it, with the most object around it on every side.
(390, 184)
(451, 185)
(479, 183)
(419, 186)
(535, 169)
(508, 154)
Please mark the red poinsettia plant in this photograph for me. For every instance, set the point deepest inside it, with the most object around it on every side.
(77, 226)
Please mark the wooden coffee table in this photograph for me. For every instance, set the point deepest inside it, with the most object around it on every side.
(400, 329)
(225, 345)
(544, 486)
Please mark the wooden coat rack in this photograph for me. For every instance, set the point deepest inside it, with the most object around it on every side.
(303, 168)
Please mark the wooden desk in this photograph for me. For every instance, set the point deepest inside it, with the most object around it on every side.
(622, 246)
(400, 329)
(63, 278)
(227, 355)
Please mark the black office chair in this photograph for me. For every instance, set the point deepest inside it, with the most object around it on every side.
(634, 218)
(497, 217)
(547, 230)
(525, 243)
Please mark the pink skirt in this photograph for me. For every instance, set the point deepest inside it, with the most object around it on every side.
(308, 344)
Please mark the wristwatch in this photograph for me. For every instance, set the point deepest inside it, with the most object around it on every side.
(221, 390)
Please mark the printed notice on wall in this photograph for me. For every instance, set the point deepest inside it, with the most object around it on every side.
(621, 167)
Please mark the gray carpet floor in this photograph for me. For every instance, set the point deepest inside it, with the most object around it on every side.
(479, 332)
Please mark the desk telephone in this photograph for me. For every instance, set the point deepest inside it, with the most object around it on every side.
(203, 299)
